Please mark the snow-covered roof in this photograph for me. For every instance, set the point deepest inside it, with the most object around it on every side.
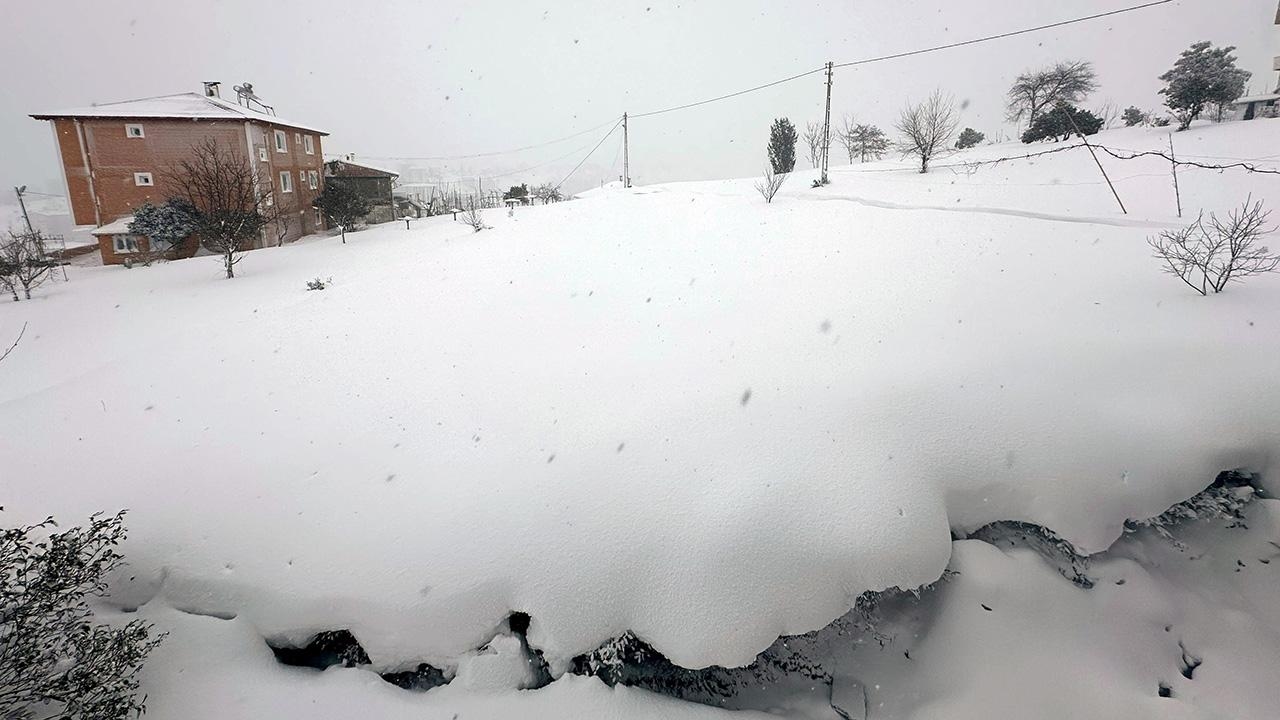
(190, 105)
(347, 168)
(116, 227)
(1257, 98)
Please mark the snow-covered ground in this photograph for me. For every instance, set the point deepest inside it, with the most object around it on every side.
(674, 410)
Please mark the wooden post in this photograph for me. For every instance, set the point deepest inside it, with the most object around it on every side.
(1098, 162)
(1173, 165)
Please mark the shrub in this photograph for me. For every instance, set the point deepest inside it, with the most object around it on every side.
(1061, 123)
(968, 138)
(318, 284)
(54, 661)
(772, 182)
(1206, 255)
(1133, 116)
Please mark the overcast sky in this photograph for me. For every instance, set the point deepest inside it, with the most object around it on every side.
(413, 79)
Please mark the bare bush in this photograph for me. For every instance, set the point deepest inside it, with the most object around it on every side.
(927, 128)
(474, 217)
(24, 262)
(1208, 254)
(772, 182)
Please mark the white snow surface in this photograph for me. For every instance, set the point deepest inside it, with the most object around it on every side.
(671, 409)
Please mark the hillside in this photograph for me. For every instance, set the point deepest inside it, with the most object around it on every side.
(682, 412)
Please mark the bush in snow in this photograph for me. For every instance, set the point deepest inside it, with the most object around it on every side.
(165, 227)
(474, 217)
(55, 662)
(968, 138)
(927, 127)
(24, 262)
(1061, 123)
(1133, 116)
(1036, 91)
(1203, 77)
(342, 205)
(1206, 255)
(318, 284)
(772, 182)
(782, 146)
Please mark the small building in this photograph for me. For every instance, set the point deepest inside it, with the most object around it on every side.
(117, 156)
(1257, 106)
(373, 184)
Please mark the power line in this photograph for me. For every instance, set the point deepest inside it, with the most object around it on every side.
(735, 94)
(494, 153)
(588, 155)
(1000, 36)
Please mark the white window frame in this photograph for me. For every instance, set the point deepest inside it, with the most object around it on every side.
(124, 244)
(282, 141)
(319, 217)
(297, 139)
(144, 179)
(262, 154)
(286, 181)
(130, 127)
(302, 179)
(309, 144)
(313, 179)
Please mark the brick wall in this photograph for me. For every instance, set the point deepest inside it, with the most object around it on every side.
(298, 163)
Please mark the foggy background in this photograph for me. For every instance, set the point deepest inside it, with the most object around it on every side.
(395, 81)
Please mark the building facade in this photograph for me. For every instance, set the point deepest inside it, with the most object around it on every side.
(117, 156)
(373, 184)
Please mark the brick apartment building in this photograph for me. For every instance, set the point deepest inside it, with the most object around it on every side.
(116, 156)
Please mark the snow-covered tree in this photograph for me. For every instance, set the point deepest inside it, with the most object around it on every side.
(1203, 77)
(165, 226)
(968, 138)
(782, 146)
(547, 193)
(1060, 123)
(865, 142)
(55, 662)
(342, 204)
(1133, 116)
(1035, 91)
(927, 127)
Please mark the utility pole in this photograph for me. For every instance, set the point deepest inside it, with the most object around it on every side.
(1085, 140)
(626, 154)
(826, 126)
(19, 191)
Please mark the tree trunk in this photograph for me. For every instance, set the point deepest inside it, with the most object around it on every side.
(229, 261)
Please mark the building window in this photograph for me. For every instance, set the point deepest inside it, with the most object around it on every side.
(319, 218)
(124, 243)
(313, 179)
(309, 144)
(134, 131)
(262, 154)
(297, 138)
(143, 179)
(282, 141)
(286, 182)
(302, 178)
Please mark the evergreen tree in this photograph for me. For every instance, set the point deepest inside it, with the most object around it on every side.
(1133, 116)
(342, 205)
(968, 138)
(1203, 76)
(782, 146)
(168, 224)
(1057, 124)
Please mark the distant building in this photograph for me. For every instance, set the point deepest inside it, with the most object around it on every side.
(116, 156)
(374, 184)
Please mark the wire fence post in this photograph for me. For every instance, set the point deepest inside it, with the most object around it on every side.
(1067, 112)
(1173, 166)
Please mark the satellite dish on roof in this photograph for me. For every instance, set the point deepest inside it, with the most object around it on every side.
(247, 98)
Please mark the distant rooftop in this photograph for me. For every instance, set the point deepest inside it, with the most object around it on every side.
(189, 105)
(346, 168)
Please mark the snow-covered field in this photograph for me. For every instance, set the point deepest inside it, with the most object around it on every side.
(680, 411)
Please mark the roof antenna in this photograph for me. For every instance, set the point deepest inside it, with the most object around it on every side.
(246, 97)
(211, 89)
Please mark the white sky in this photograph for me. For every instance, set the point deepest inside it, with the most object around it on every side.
(432, 78)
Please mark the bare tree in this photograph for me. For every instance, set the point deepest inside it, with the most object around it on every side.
(1207, 255)
(233, 206)
(547, 193)
(474, 217)
(927, 128)
(771, 184)
(866, 142)
(812, 137)
(24, 262)
(1070, 81)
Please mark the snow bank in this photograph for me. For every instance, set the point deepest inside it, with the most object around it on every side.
(676, 410)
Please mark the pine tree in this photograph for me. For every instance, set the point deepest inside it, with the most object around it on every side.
(968, 138)
(782, 146)
(1133, 116)
(1203, 76)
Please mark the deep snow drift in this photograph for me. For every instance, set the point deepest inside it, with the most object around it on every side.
(674, 409)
